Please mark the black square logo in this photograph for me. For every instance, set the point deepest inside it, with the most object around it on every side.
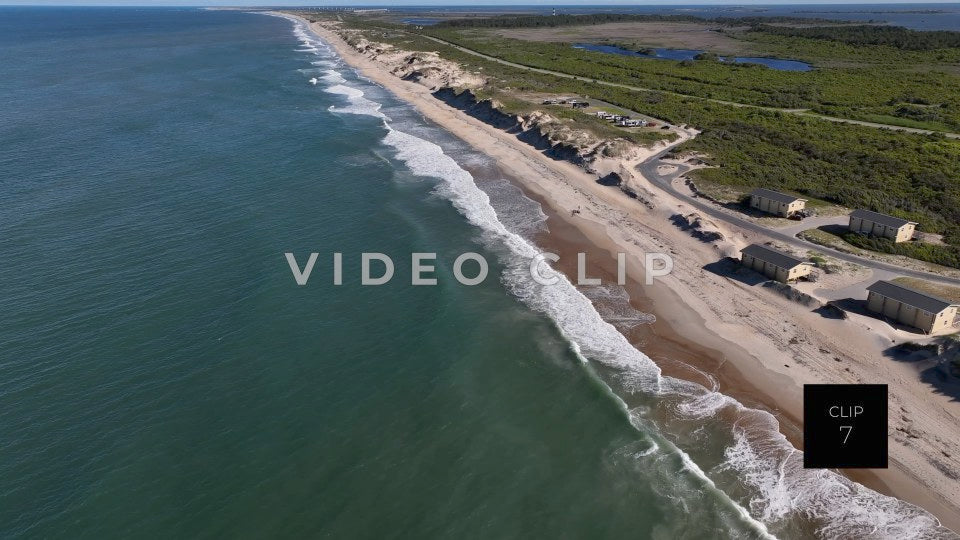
(845, 426)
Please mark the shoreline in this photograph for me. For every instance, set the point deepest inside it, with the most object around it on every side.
(701, 346)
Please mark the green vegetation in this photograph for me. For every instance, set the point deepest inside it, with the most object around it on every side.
(605, 129)
(823, 238)
(888, 89)
(516, 81)
(934, 253)
(850, 242)
(893, 36)
(552, 21)
(910, 176)
(907, 175)
(599, 127)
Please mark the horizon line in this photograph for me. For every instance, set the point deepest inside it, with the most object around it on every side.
(624, 3)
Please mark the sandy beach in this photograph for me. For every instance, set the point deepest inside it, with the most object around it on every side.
(746, 341)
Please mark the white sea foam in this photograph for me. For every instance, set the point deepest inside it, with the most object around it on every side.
(358, 103)
(704, 405)
(613, 303)
(761, 457)
(767, 462)
(518, 213)
(344, 90)
(592, 338)
(647, 451)
(572, 311)
(332, 76)
(843, 508)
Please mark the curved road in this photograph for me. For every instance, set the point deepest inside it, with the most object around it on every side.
(649, 170)
(799, 112)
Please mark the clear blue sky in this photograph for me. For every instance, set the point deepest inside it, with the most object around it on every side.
(436, 2)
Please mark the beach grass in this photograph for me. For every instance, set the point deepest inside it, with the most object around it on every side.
(941, 291)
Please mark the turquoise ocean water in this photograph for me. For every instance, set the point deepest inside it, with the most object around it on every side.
(162, 375)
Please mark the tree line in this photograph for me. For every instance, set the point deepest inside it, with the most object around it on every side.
(550, 21)
(863, 34)
(891, 36)
(907, 175)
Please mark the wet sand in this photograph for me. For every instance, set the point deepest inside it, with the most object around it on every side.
(666, 343)
(684, 342)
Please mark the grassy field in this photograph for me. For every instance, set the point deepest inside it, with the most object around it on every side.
(650, 34)
(823, 238)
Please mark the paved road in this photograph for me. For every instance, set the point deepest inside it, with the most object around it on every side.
(794, 228)
(799, 112)
(649, 170)
(883, 270)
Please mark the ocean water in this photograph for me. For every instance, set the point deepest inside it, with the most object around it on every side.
(163, 375)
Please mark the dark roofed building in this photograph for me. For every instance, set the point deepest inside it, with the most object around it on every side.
(774, 202)
(877, 224)
(773, 264)
(910, 306)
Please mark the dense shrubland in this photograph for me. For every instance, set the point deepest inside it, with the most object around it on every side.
(908, 175)
(883, 92)
(552, 21)
(943, 255)
(892, 36)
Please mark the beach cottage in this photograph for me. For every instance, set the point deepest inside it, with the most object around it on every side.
(911, 307)
(774, 264)
(876, 224)
(774, 202)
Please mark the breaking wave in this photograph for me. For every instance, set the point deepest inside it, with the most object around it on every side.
(358, 103)
(779, 490)
(332, 76)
